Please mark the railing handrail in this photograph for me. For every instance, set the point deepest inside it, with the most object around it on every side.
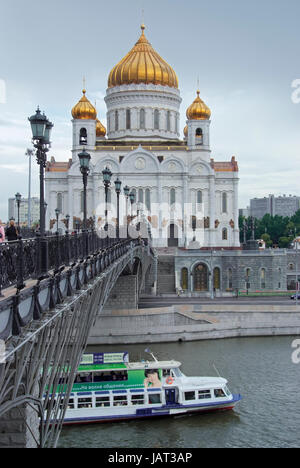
(19, 258)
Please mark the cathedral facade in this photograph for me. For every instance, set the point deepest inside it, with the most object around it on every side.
(188, 199)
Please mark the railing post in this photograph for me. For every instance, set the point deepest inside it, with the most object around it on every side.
(20, 265)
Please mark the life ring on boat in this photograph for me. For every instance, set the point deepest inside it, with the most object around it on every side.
(169, 381)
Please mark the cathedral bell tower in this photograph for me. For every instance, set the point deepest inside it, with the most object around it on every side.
(84, 126)
(198, 123)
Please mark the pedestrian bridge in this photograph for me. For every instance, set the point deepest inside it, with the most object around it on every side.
(45, 324)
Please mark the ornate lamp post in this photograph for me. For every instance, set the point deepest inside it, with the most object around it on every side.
(57, 216)
(84, 159)
(118, 184)
(68, 221)
(126, 193)
(132, 200)
(18, 200)
(41, 130)
(107, 174)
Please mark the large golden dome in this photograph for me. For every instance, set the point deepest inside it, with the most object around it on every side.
(84, 109)
(198, 110)
(143, 65)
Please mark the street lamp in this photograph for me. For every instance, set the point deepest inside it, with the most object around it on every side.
(18, 200)
(107, 174)
(126, 193)
(84, 159)
(68, 221)
(132, 200)
(118, 184)
(57, 216)
(41, 130)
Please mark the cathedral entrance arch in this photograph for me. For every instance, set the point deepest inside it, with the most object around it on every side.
(173, 236)
(200, 276)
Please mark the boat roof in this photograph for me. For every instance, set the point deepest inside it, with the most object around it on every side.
(123, 366)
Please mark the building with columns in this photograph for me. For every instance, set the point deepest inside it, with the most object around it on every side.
(189, 199)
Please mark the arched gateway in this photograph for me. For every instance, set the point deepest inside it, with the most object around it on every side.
(200, 275)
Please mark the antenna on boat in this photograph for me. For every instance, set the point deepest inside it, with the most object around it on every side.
(147, 350)
(216, 370)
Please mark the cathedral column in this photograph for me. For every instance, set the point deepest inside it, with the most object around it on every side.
(212, 210)
(236, 238)
(184, 209)
(70, 203)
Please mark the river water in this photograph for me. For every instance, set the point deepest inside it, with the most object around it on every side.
(261, 369)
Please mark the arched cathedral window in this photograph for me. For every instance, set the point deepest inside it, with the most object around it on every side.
(168, 121)
(116, 120)
(224, 203)
(148, 199)
(142, 119)
(59, 202)
(172, 196)
(128, 119)
(224, 234)
(156, 119)
(199, 136)
(83, 136)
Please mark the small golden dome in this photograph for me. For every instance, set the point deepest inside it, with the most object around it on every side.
(185, 131)
(143, 65)
(84, 109)
(198, 110)
(100, 129)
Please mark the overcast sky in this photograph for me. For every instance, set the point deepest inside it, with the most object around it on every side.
(246, 55)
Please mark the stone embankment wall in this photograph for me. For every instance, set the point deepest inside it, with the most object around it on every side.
(189, 323)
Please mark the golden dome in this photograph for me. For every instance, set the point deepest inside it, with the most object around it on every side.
(100, 129)
(84, 109)
(185, 131)
(143, 65)
(198, 110)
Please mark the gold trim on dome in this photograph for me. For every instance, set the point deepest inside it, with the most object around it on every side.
(143, 65)
(100, 129)
(198, 110)
(84, 109)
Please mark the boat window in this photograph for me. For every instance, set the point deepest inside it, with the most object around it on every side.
(110, 376)
(227, 391)
(188, 396)
(120, 400)
(166, 372)
(177, 372)
(71, 404)
(84, 403)
(154, 398)
(137, 399)
(204, 394)
(102, 401)
(83, 378)
(219, 393)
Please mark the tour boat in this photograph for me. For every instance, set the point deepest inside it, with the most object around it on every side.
(110, 388)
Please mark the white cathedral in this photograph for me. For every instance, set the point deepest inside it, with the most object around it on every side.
(186, 197)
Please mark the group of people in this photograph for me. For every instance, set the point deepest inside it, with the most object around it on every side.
(11, 233)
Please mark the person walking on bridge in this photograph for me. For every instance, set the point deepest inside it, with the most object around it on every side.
(2, 233)
(12, 232)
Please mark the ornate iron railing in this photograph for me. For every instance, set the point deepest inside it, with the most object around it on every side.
(19, 259)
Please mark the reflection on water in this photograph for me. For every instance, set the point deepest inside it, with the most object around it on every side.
(260, 369)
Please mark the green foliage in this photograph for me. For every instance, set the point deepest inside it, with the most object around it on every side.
(274, 230)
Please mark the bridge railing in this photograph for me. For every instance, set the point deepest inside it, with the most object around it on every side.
(19, 259)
